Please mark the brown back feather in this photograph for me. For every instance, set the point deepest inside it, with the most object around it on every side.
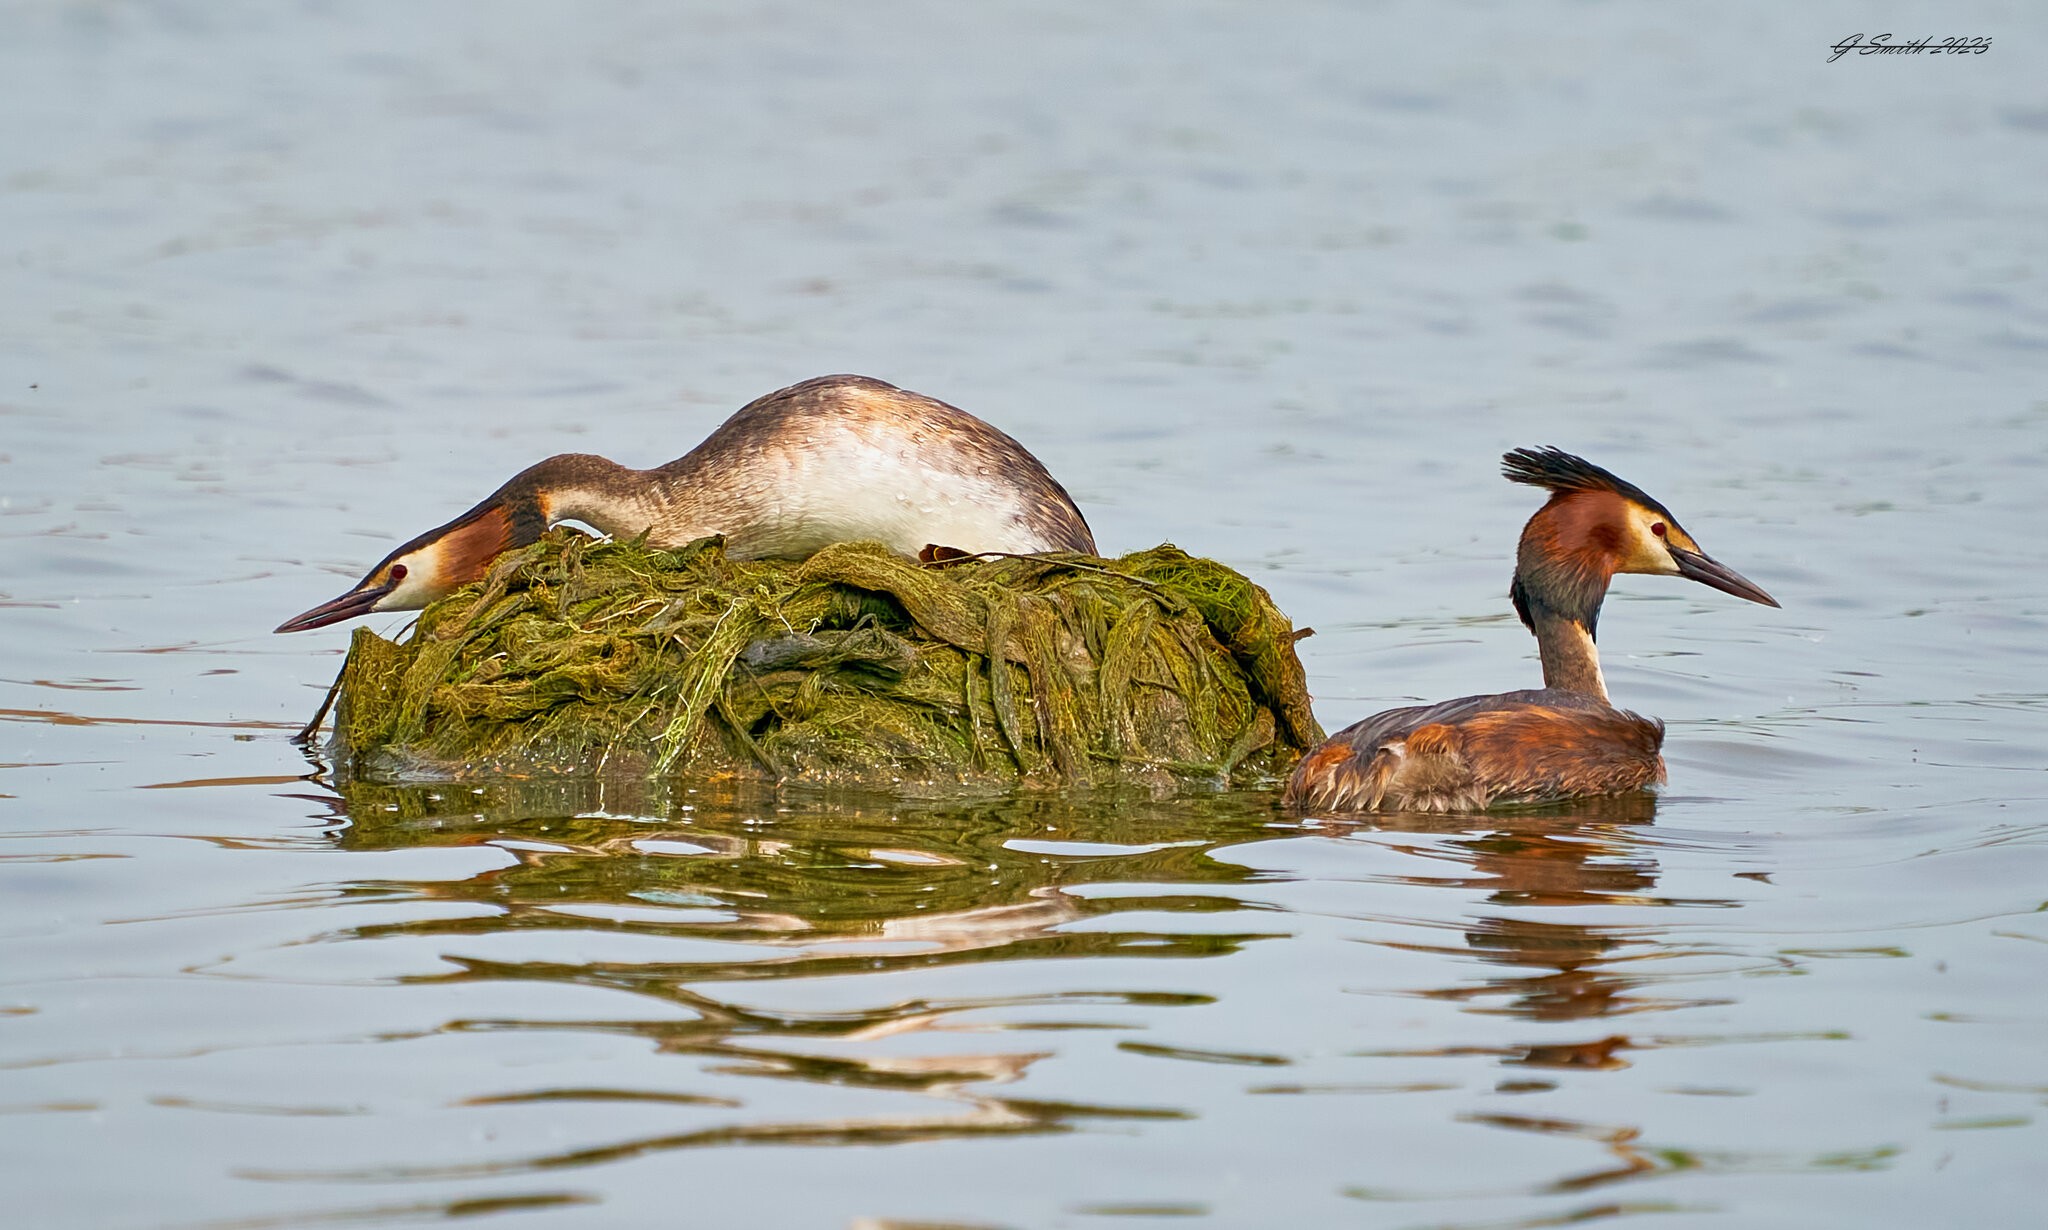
(1525, 746)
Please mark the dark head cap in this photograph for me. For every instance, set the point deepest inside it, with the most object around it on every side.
(1561, 473)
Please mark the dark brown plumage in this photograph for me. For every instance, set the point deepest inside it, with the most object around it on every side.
(1477, 751)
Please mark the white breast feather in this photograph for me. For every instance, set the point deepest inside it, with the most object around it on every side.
(842, 489)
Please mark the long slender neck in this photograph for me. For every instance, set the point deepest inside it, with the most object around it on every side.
(570, 487)
(1559, 586)
(598, 491)
(1571, 662)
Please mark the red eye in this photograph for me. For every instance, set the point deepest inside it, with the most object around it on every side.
(1656, 527)
(398, 570)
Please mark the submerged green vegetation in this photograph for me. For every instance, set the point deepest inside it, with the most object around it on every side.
(855, 667)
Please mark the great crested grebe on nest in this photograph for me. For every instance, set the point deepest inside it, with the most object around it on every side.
(833, 459)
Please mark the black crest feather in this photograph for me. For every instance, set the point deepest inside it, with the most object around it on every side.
(1556, 470)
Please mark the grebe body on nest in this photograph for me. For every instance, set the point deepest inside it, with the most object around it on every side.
(833, 459)
(1563, 740)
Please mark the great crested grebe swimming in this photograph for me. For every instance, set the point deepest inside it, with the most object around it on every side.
(833, 459)
(1560, 741)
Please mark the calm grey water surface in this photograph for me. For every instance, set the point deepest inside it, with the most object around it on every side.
(288, 283)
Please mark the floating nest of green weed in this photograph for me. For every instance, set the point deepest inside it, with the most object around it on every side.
(856, 667)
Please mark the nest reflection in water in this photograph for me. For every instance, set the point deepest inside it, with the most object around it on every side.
(750, 892)
(751, 889)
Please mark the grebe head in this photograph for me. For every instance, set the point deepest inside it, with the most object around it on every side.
(435, 564)
(1595, 525)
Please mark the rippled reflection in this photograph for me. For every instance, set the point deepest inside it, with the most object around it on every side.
(1564, 858)
(748, 890)
(783, 950)
(1582, 860)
